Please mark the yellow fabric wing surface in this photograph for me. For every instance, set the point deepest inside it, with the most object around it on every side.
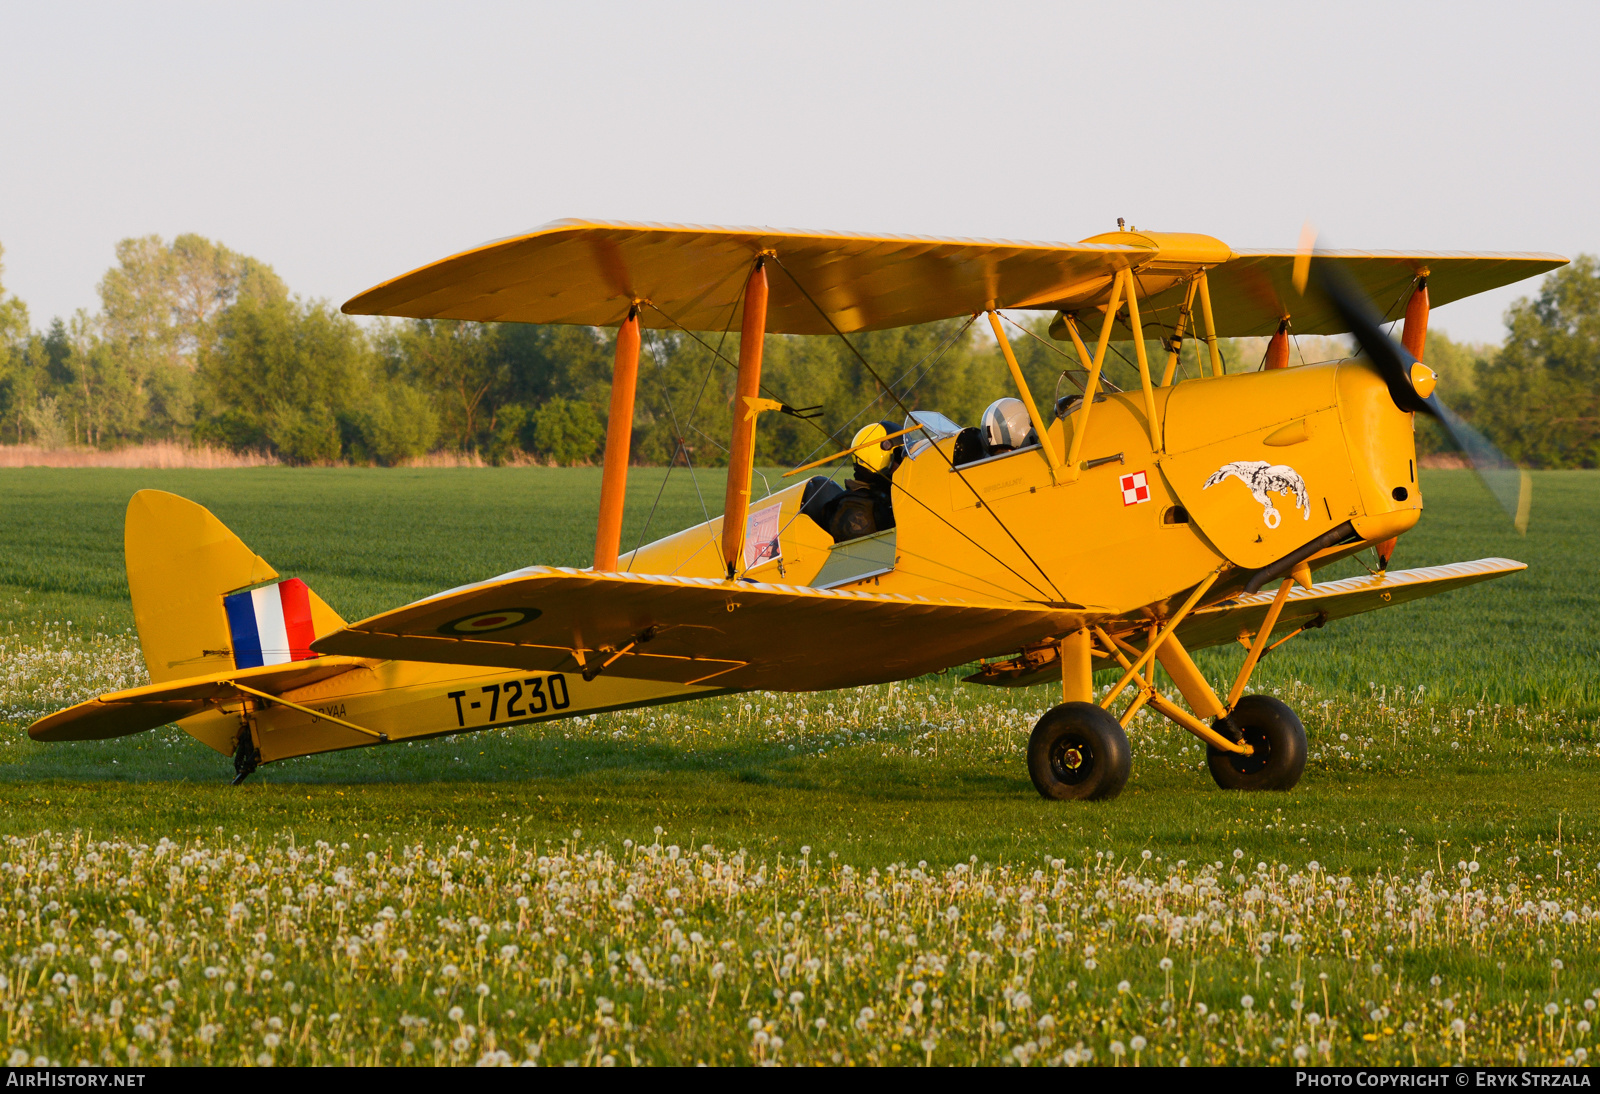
(589, 272)
(1253, 290)
(124, 713)
(694, 630)
(1337, 599)
(1322, 603)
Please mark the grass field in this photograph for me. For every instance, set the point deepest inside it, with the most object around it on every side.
(863, 876)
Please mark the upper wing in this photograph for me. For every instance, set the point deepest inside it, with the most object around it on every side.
(575, 271)
(1243, 615)
(590, 272)
(695, 630)
(124, 713)
(1253, 290)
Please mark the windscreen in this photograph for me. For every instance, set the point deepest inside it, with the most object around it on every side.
(934, 425)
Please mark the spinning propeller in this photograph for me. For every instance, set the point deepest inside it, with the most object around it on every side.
(1411, 385)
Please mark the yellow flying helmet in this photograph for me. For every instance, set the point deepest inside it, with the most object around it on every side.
(874, 457)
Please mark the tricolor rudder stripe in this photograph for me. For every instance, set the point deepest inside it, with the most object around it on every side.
(271, 625)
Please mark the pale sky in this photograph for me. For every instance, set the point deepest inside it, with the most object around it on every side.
(347, 143)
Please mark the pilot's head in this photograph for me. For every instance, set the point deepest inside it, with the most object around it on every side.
(874, 457)
(1006, 426)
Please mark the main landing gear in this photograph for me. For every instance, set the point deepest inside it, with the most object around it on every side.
(1079, 750)
(1277, 741)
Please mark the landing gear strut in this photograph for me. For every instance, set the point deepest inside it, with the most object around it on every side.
(1079, 750)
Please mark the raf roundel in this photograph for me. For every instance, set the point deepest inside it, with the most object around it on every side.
(1135, 488)
(487, 622)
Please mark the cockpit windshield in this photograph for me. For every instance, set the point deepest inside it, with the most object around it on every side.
(934, 426)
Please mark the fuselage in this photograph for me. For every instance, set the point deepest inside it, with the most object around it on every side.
(1301, 452)
(1239, 472)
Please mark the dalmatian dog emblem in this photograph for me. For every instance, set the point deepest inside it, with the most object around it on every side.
(1263, 479)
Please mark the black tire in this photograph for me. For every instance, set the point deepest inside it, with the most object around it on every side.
(1078, 752)
(1278, 738)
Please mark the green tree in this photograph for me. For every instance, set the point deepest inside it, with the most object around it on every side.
(567, 431)
(18, 382)
(1539, 398)
(13, 317)
(454, 362)
(159, 308)
(48, 427)
(1457, 366)
(92, 383)
(286, 376)
(394, 422)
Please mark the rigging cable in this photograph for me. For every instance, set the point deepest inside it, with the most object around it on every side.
(929, 360)
(681, 445)
(922, 368)
(718, 354)
(677, 433)
(1052, 347)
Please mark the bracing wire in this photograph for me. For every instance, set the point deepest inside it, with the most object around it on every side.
(929, 359)
(922, 368)
(718, 355)
(886, 390)
(1069, 373)
(678, 446)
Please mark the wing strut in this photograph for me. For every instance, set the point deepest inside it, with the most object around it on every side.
(742, 449)
(619, 434)
(1045, 444)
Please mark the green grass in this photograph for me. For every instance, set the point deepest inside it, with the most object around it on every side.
(1458, 729)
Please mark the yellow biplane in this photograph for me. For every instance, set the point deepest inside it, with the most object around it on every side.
(1105, 529)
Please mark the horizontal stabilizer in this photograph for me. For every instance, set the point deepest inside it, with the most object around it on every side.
(124, 713)
(687, 630)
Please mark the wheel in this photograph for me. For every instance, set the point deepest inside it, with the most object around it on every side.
(1278, 738)
(1078, 752)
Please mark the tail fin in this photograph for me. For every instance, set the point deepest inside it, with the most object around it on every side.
(191, 581)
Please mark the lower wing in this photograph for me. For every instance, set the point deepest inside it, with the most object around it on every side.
(742, 635)
(1305, 608)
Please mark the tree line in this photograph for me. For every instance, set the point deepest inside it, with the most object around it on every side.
(196, 343)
